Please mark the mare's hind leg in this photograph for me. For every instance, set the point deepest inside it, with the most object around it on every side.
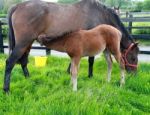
(122, 68)
(16, 54)
(24, 61)
(74, 71)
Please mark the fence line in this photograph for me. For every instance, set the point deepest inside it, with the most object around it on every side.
(129, 18)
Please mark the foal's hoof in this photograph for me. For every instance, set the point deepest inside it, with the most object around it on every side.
(122, 84)
(74, 89)
(108, 80)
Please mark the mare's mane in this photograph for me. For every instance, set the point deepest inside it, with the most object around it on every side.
(112, 14)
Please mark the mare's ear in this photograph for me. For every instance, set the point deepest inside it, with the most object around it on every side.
(136, 46)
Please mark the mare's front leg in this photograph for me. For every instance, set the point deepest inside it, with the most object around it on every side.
(69, 67)
(90, 70)
(109, 64)
(74, 71)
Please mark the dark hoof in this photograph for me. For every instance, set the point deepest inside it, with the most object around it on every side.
(6, 90)
(27, 76)
(90, 76)
(68, 71)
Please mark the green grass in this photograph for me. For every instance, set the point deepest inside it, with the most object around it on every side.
(48, 90)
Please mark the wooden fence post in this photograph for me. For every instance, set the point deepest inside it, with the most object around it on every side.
(1, 39)
(130, 24)
(48, 51)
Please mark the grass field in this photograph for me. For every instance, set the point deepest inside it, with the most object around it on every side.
(48, 91)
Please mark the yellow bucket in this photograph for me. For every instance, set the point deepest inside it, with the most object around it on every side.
(40, 61)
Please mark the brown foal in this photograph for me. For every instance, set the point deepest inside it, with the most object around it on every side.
(103, 38)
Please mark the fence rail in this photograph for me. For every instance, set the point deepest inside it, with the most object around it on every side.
(128, 17)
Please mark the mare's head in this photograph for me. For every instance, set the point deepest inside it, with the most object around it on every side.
(130, 56)
(117, 10)
(129, 48)
(100, 14)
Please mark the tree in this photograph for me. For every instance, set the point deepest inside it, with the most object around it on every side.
(117, 3)
(6, 4)
(146, 5)
(138, 6)
(67, 1)
(1, 4)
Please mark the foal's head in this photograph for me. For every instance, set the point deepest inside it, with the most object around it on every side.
(130, 57)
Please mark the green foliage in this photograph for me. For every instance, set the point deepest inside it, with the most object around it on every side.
(48, 90)
(6, 4)
(142, 6)
(141, 31)
(117, 3)
(138, 6)
(146, 5)
(67, 1)
(3, 15)
(5, 32)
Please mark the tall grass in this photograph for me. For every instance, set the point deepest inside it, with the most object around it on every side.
(48, 90)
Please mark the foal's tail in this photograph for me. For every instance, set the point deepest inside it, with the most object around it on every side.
(11, 30)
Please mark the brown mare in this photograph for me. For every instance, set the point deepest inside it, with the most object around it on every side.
(89, 43)
(30, 19)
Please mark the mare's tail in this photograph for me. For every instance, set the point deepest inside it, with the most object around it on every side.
(11, 30)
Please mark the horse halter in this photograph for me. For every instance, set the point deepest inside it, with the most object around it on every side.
(124, 56)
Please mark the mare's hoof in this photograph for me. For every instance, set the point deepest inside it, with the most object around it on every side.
(68, 71)
(27, 76)
(90, 75)
(6, 90)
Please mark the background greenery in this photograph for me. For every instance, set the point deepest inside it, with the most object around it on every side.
(123, 4)
(48, 90)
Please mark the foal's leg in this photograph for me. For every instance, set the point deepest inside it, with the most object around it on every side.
(91, 62)
(109, 64)
(24, 61)
(122, 68)
(74, 71)
(16, 54)
(90, 70)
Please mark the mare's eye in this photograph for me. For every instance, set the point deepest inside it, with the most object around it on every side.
(133, 59)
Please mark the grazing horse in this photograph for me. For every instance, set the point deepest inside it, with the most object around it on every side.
(89, 43)
(30, 19)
